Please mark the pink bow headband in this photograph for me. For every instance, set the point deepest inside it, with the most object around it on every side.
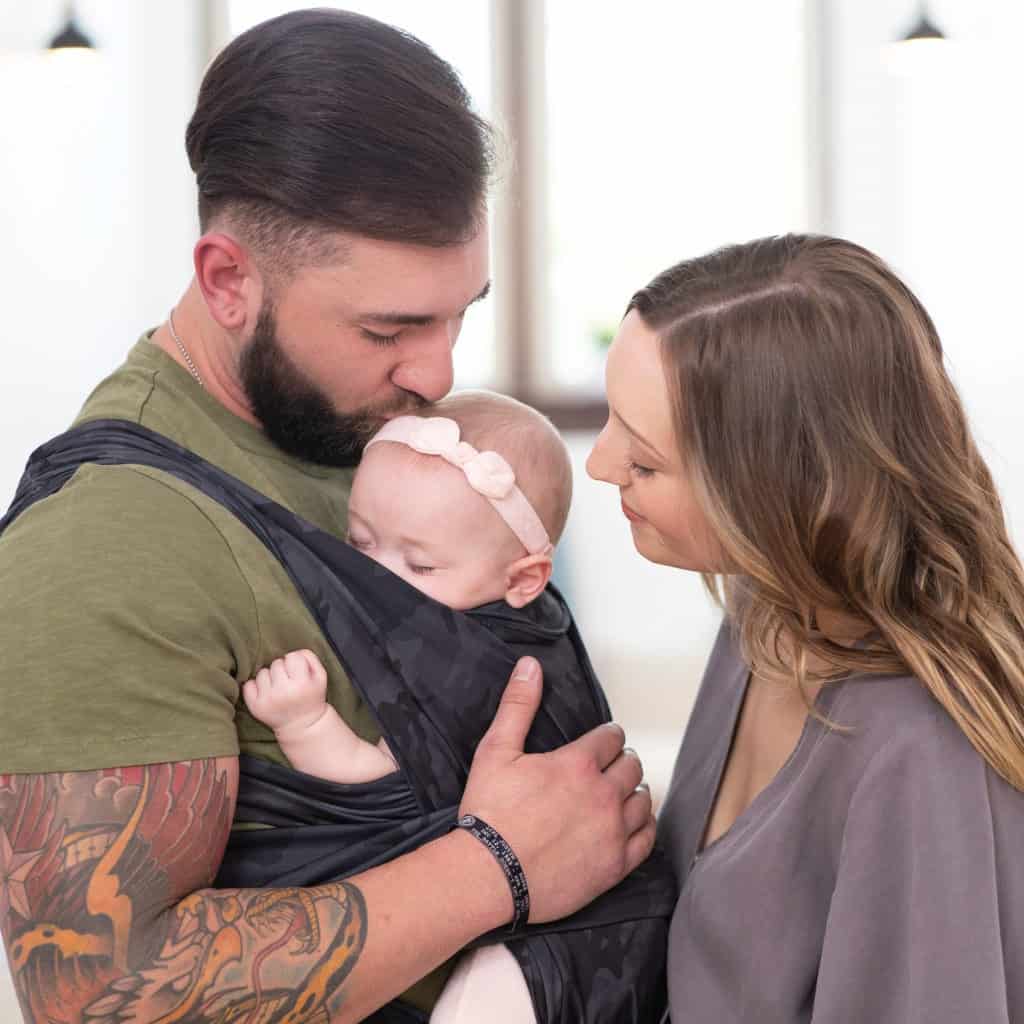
(486, 472)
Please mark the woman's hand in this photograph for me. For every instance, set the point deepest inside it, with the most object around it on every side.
(577, 818)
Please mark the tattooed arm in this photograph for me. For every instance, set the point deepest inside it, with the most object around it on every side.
(107, 917)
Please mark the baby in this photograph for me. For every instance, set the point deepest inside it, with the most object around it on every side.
(435, 503)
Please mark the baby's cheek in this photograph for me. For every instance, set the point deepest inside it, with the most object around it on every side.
(467, 588)
(441, 588)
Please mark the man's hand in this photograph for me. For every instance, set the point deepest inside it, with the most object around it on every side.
(578, 818)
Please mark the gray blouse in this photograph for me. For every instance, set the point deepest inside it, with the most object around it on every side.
(878, 878)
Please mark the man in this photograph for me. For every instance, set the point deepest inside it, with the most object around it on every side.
(342, 183)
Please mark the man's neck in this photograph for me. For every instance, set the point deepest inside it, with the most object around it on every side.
(214, 352)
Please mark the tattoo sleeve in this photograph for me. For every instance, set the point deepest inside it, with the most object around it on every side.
(108, 919)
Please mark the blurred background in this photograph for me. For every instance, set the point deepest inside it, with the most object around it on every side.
(633, 135)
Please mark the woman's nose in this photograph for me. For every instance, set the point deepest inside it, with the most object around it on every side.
(601, 465)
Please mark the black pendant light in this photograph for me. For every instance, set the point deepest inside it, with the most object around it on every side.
(70, 37)
(923, 28)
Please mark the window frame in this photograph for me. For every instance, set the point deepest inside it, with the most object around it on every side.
(519, 205)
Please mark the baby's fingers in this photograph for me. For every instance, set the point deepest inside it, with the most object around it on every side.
(279, 673)
(250, 693)
(316, 668)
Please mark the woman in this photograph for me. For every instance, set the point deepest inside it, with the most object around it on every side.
(846, 817)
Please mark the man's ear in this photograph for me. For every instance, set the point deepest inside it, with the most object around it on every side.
(526, 578)
(230, 283)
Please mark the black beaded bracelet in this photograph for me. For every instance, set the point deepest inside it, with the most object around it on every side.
(509, 862)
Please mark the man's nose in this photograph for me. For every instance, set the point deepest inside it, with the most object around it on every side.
(429, 373)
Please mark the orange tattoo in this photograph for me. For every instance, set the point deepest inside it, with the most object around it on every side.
(107, 917)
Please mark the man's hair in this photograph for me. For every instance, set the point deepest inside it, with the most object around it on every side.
(526, 439)
(324, 121)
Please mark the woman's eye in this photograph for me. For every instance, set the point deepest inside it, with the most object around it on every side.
(422, 570)
(380, 339)
(635, 467)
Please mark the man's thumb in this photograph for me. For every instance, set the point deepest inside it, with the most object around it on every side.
(518, 706)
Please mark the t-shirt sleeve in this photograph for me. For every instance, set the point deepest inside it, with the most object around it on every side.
(924, 924)
(125, 623)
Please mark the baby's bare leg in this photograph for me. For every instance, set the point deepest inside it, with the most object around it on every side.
(291, 697)
(487, 985)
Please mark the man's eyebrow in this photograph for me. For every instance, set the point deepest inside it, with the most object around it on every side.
(416, 319)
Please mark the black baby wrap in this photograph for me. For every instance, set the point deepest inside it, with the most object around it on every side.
(433, 678)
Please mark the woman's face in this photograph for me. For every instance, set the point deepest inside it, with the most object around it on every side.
(638, 452)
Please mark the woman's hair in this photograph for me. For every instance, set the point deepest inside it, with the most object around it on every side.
(321, 121)
(832, 457)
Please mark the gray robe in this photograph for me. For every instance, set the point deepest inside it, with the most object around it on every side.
(878, 879)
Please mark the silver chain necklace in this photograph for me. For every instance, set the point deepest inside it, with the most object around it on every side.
(184, 351)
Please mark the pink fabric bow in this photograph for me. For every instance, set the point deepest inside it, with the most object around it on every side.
(486, 472)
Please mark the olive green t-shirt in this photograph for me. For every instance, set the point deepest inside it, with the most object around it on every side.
(132, 606)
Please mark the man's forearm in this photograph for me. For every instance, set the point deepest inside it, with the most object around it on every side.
(422, 909)
(352, 946)
(94, 928)
(107, 915)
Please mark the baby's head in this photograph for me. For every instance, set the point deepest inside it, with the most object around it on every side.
(419, 516)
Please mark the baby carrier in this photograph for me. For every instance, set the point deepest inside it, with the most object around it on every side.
(433, 678)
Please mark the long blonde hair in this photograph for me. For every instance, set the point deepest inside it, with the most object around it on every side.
(831, 454)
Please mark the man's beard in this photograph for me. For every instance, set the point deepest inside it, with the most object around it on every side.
(294, 413)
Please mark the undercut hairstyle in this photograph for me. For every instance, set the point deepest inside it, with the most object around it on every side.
(526, 439)
(324, 121)
(831, 454)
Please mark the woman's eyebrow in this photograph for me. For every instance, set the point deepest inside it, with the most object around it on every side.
(638, 435)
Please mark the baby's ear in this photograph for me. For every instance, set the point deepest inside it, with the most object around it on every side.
(526, 578)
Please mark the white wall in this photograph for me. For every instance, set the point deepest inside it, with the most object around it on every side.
(929, 164)
(97, 211)
(97, 216)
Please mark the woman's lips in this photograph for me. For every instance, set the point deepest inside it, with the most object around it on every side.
(630, 514)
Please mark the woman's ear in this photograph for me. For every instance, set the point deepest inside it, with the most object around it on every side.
(526, 578)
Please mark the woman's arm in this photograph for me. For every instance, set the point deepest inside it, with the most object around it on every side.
(922, 926)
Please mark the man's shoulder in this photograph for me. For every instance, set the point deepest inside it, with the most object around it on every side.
(122, 395)
(106, 516)
(144, 389)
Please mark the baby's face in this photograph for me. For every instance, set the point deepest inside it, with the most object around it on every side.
(417, 516)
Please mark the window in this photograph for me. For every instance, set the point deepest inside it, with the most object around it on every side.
(670, 129)
(639, 135)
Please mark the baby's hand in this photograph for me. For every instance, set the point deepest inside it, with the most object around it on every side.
(291, 694)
